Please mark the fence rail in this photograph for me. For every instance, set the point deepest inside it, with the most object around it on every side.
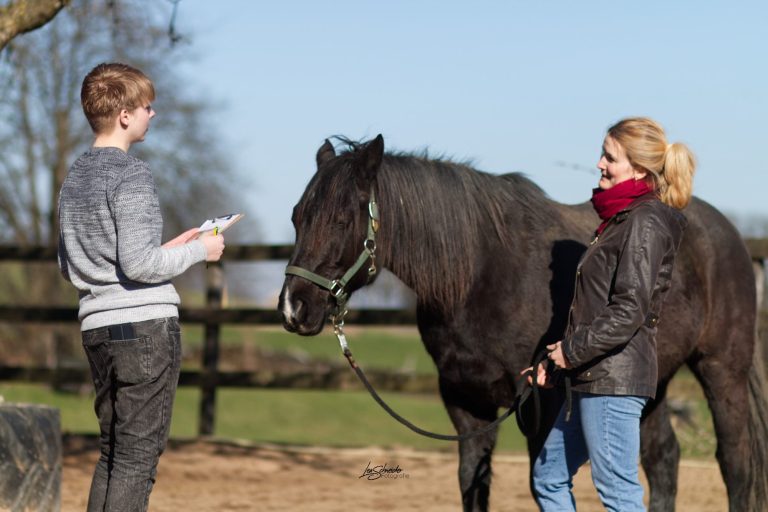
(326, 377)
(758, 249)
(208, 378)
(46, 315)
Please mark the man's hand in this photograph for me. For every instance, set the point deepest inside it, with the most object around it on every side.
(214, 245)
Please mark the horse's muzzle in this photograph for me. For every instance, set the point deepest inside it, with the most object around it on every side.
(293, 315)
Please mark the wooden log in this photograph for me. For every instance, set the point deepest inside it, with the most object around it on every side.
(30, 458)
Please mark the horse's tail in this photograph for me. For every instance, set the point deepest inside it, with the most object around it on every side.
(758, 431)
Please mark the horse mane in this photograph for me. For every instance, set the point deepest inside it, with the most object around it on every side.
(438, 217)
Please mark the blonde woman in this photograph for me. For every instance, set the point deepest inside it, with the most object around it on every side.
(609, 346)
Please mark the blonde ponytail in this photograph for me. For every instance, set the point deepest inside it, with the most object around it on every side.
(670, 166)
(677, 176)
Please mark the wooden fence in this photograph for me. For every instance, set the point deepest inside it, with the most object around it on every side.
(213, 316)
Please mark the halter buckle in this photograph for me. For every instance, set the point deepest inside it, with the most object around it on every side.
(373, 213)
(336, 289)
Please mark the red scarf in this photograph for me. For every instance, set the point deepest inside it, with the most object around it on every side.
(608, 203)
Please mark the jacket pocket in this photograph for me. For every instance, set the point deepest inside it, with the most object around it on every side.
(594, 370)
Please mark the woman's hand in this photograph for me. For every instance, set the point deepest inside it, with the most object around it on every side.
(182, 239)
(542, 379)
(556, 355)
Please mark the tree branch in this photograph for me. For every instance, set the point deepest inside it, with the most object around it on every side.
(21, 16)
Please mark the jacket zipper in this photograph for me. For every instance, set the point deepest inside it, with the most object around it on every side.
(569, 327)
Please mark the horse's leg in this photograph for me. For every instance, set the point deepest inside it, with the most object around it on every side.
(726, 388)
(474, 453)
(659, 453)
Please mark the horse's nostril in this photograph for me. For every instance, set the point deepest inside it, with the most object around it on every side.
(294, 314)
(300, 312)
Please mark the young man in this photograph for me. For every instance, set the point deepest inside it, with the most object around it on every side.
(109, 248)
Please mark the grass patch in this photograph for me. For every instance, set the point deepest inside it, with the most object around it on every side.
(693, 424)
(382, 348)
(321, 418)
(341, 418)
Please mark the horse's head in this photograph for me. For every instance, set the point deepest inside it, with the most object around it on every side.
(332, 221)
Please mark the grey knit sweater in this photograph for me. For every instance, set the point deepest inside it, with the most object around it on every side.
(109, 241)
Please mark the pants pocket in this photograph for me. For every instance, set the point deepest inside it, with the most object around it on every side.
(98, 360)
(131, 359)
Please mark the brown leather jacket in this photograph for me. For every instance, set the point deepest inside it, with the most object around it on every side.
(621, 282)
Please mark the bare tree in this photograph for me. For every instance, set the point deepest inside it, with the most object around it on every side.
(44, 130)
(40, 84)
(96, 31)
(20, 16)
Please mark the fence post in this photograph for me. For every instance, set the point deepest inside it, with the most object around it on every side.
(758, 264)
(214, 293)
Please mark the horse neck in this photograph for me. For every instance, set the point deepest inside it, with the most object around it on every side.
(438, 221)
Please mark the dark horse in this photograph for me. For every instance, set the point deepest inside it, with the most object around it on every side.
(492, 261)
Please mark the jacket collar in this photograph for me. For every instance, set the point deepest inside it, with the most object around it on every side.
(622, 215)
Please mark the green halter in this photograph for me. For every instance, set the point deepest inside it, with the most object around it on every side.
(337, 287)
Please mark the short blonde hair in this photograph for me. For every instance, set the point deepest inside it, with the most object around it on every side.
(670, 166)
(110, 88)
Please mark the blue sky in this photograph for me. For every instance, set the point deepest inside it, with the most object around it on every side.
(511, 86)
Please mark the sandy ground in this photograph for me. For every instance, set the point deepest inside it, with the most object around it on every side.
(219, 476)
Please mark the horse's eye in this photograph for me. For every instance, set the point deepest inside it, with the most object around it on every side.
(342, 220)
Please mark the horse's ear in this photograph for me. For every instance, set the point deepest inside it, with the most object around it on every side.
(325, 153)
(372, 156)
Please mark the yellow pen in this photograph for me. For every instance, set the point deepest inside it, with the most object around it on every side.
(215, 232)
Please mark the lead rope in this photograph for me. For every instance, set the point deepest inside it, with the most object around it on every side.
(338, 330)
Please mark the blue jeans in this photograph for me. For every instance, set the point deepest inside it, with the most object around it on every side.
(135, 382)
(604, 429)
